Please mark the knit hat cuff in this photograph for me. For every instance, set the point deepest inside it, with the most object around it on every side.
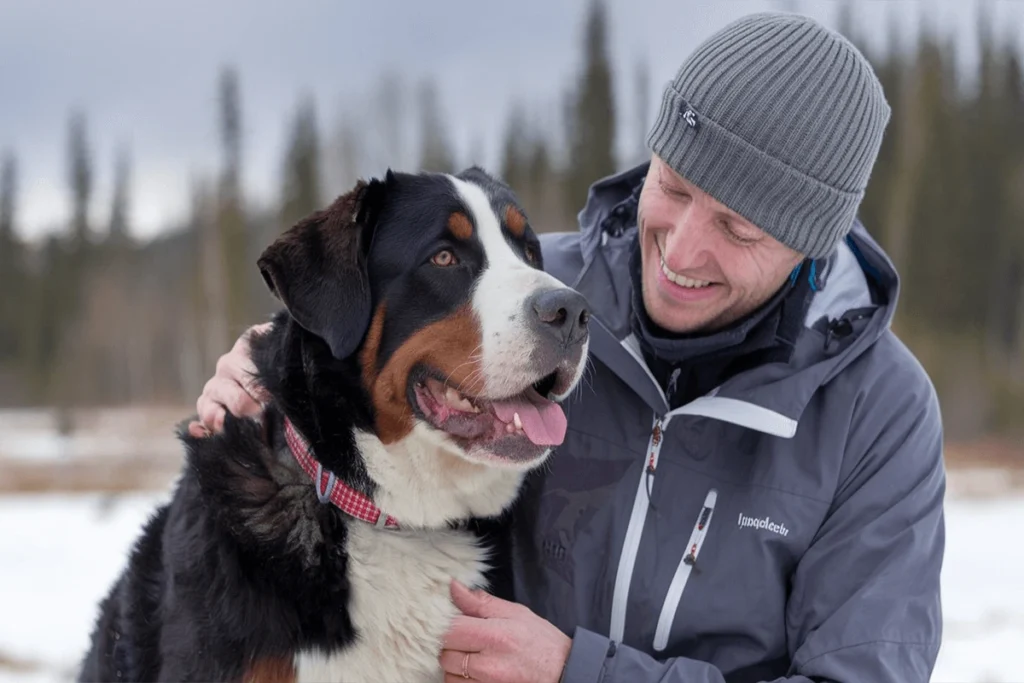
(802, 212)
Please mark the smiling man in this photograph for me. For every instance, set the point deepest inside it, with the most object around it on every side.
(751, 486)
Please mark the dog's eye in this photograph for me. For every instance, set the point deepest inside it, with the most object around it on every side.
(531, 254)
(444, 258)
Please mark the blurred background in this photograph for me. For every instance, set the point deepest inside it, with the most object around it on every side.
(150, 151)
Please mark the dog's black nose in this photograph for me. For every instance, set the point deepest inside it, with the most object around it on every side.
(561, 313)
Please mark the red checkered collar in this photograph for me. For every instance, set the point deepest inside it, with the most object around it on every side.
(333, 489)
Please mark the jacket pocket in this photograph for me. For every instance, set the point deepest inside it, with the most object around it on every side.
(682, 575)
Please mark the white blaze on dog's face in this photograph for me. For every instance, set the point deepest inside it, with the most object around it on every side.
(471, 345)
(529, 321)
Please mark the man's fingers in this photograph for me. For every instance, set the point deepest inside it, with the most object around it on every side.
(197, 430)
(458, 678)
(481, 666)
(452, 662)
(480, 603)
(262, 328)
(231, 395)
(238, 366)
(211, 414)
(467, 634)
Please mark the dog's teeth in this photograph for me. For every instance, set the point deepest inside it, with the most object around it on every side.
(456, 400)
(510, 428)
(516, 421)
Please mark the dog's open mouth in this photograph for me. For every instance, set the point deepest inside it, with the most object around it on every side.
(529, 417)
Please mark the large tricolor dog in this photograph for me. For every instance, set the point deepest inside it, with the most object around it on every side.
(416, 371)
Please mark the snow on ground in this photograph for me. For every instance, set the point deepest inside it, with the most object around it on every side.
(60, 554)
(32, 434)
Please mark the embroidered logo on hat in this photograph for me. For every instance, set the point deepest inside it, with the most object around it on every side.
(689, 115)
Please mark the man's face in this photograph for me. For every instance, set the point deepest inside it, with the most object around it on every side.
(704, 266)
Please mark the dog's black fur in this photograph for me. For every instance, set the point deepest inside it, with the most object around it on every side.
(244, 565)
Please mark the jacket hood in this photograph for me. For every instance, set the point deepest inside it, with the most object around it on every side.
(855, 294)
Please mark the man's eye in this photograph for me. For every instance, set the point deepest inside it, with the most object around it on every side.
(737, 235)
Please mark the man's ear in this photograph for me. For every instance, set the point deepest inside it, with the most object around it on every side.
(318, 268)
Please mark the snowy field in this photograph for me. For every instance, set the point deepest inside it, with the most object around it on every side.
(59, 553)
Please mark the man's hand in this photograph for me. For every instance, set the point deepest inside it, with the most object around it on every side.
(505, 642)
(231, 388)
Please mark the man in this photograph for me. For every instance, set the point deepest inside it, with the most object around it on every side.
(752, 483)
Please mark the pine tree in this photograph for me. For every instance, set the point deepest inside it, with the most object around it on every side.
(890, 69)
(8, 206)
(11, 282)
(642, 93)
(301, 194)
(515, 150)
(348, 155)
(80, 178)
(231, 226)
(118, 231)
(388, 122)
(591, 133)
(435, 148)
(545, 201)
(65, 280)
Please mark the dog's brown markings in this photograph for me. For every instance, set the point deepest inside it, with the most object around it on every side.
(515, 221)
(368, 357)
(460, 225)
(450, 346)
(271, 670)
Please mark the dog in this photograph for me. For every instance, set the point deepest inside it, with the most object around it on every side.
(416, 371)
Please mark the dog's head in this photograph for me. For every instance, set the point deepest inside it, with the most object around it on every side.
(434, 283)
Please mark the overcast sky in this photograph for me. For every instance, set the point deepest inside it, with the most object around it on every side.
(145, 74)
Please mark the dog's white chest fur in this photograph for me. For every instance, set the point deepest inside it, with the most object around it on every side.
(400, 605)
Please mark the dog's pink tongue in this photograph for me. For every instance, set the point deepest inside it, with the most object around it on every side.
(543, 420)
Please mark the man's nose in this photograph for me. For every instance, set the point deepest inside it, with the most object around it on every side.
(687, 239)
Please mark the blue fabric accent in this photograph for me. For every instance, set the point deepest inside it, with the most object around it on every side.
(795, 274)
(867, 267)
(812, 278)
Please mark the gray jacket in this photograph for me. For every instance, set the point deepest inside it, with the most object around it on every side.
(787, 526)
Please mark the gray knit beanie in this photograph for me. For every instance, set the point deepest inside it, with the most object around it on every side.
(780, 119)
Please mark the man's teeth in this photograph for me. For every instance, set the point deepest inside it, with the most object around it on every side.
(456, 400)
(681, 280)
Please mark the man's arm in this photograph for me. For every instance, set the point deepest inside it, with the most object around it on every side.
(865, 603)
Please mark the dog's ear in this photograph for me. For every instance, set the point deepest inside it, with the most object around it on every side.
(317, 268)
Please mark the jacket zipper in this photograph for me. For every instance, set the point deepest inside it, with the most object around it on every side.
(727, 409)
(682, 575)
(637, 518)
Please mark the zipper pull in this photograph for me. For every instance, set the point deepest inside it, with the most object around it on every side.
(652, 456)
(670, 391)
(702, 522)
(657, 436)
